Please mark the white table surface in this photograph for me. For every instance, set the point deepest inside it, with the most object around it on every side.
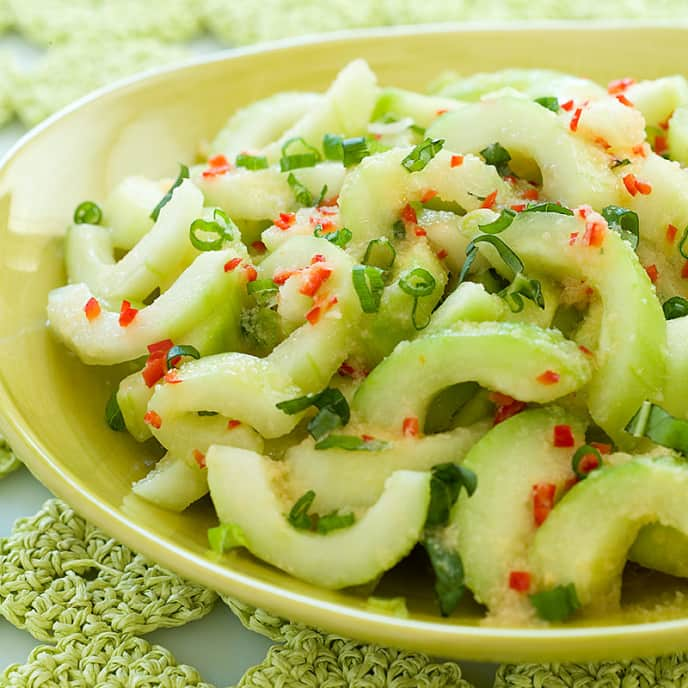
(217, 645)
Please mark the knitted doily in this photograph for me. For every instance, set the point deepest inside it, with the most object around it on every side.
(8, 461)
(60, 575)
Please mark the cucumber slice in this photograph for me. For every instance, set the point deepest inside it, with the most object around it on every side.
(573, 170)
(200, 291)
(345, 109)
(242, 492)
(133, 396)
(264, 194)
(659, 98)
(630, 354)
(673, 397)
(374, 194)
(618, 500)
(127, 210)
(494, 528)
(155, 260)
(260, 123)
(443, 231)
(173, 484)
(677, 136)
(662, 549)
(422, 109)
(507, 357)
(236, 386)
(469, 301)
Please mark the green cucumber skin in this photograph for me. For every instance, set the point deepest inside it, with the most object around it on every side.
(507, 357)
(241, 487)
(658, 99)
(619, 501)
(662, 549)
(630, 356)
(422, 109)
(574, 171)
(493, 529)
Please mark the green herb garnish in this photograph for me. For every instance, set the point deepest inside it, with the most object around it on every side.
(113, 414)
(183, 174)
(548, 207)
(497, 156)
(656, 424)
(221, 226)
(549, 102)
(252, 162)
(448, 569)
(226, 536)
(422, 154)
(88, 213)
(380, 253)
(338, 237)
(181, 350)
(333, 410)
(307, 157)
(506, 217)
(557, 604)
(369, 285)
(675, 307)
(624, 222)
(351, 443)
(445, 485)
(302, 520)
(301, 192)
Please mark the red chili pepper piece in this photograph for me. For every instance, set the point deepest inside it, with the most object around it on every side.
(588, 462)
(519, 581)
(428, 195)
(563, 436)
(643, 187)
(585, 350)
(172, 377)
(543, 501)
(199, 458)
(573, 125)
(127, 314)
(259, 247)
(519, 207)
(232, 264)
(624, 101)
(231, 424)
(567, 106)
(506, 406)
(684, 270)
(251, 273)
(367, 438)
(164, 345)
(442, 253)
(441, 111)
(315, 275)
(602, 447)
(661, 145)
(318, 258)
(671, 233)
(629, 181)
(594, 234)
(531, 194)
(153, 419)
(408, 214)
(619, 85)
(92, 309)
(420, 231)
(410, 427)
(489, 200)
(652, 273)
(282, 276)
(218, 165)
(549, 377)
(456, 160)
(285, 220)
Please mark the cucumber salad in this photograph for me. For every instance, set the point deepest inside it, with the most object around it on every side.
(372, 321)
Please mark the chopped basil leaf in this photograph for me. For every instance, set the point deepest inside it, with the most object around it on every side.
(221, 226)
(332, 146)
(399, 230)
(557, 604)
(522, 286)
(226, 536)
(339, 237)
(549, 102)
(369, 285)
(298, 515)
(506, 217)
(88, 213)
(113, 414)
(682, 243)
(449, 577)
(323, 423)
(181, 350)
(422, 154)
(302, 194)
(333, 411)
(351, 443)
(656, 424)
(380, 253)
(675, 307)
(354, 150)
(579, 455)
(252, 162)
(207, 413)
(307, 157)
(624, 222)
(183, 174)
(620, 163)
(497, 156)
(334, 521)
(445, 485)
(548, 207)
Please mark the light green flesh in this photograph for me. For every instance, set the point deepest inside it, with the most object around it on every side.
(198, 293)
(618, 500)
(661, 548)
(173, 484)
(126, 211)
(659, 98)
(493, 529)
(242, 492)
(468, 302)
(153, 262)
(442, 227)
(133, 396)
(422, 109)
(348, 479)
(672, 397)
(573, 170)
(629, 359)
(677, 136)
(345, 109)
(374, 194)
(255, 126)
(507, 357)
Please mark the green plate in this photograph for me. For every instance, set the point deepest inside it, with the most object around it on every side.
(51, 406)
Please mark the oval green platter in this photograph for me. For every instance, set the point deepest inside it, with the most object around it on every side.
(51, 406)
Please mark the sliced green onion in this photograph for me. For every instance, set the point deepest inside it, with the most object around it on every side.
(323, 423)
(113, 414)
(351, 443)
(339, 237)
(301, 192)
(298, 515)
(334, 521)
(548, 207)
(497, 156)
(321, 197)
(369, 285)
(620, 163)
(682, 243)
(580, 454)
(448, 569)
(332, 147)
(624, 222)
(226, 536)
(520, 287)
(399, 230)
(557, 604)
(333, 410)
(422, 154)
(252, 162)
(506, 217)
(354, 150)
(183, 174)
(221, 226)
(417, 282)
(675, 307)
(445, 485)
(88, 213)
(293, 161)
(181, 350)
(505, 253)
(380, 253)
(656, 424)
(549, 102)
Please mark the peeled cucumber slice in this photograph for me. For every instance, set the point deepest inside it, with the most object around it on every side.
(262, 122)
(677, 136)
(507, 357)
(469, 301)
(346, 479)
(153, 262)
(201, 290)
(618, 500)
(133, 396)
(662, 549)
(241, 487)
(658, 99)
(573, 170)
(422, 109)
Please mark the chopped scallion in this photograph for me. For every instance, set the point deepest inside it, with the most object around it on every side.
(222, 227)
(338, 237)
(369, 285)
(298, 515)
(380, 253)
(506, 217)
(181, 350)
(675, 307)
(557, 604)
(548, 207)
(417, 282)
(351, 443)
(422, 154)
(354, 150)
(301, 192)
(306, 157)
(183, 174)
(88, 213)
(682, 243)
(252, 162)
